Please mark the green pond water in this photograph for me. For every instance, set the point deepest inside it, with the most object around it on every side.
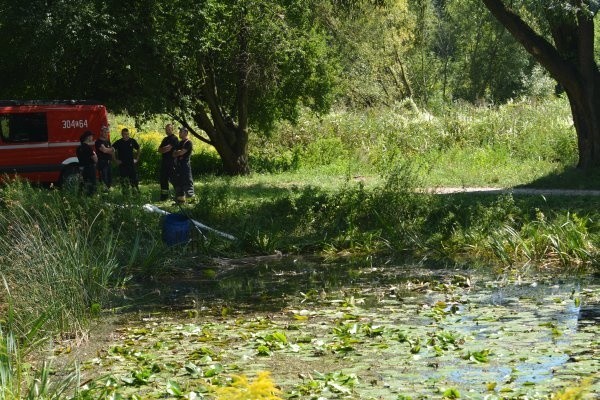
(364, 330)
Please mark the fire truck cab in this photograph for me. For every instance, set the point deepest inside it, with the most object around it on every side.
(38, 139)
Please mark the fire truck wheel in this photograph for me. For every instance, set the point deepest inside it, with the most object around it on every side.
(70, 179)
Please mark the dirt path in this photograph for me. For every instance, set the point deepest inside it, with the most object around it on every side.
(530, 191)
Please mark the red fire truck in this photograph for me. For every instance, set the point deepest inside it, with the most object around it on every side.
(38, 139)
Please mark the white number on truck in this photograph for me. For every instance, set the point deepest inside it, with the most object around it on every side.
(74, 123)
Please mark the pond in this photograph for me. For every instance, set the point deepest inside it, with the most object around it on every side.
(360, 330)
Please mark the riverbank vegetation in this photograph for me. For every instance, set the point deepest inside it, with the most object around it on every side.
(66, 258)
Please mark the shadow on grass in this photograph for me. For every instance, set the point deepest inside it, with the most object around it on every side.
(569, 178)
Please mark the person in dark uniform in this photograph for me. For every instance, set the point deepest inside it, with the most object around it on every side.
(184, 182)
(87, 162)
(127, 155)
(105, 155)
(166, 148)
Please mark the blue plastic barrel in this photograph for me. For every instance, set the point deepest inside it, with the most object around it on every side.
(175, 229)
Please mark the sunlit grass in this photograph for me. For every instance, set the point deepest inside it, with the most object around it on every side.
(512, 144)
(482, 167)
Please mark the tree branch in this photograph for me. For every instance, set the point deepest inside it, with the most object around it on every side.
(242, 86)
(542, 50)
(585, 44)
(209, 91)
(184, 123)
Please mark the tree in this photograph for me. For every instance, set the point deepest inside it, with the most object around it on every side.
(223, 66)
(488, 62)
(54, 49)
(234, 65)
(563, 44)
(372, 40)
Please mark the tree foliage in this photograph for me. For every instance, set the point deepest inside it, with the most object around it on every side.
(488, 64)
(372, 40)
(236, 65)
(230, 68)
(432, 51)
(224, 67)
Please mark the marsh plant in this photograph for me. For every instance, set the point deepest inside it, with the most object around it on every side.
(18, 379)
(62, 259)
(507, 233)
(566, 243)
(58, 257)
(52, 265)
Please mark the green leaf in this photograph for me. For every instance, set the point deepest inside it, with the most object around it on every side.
(338, 388)
(451, 393)
(480, 356)
(173, 388)
(213, 370)
(278, 336)
(263, 350)
(193, 369)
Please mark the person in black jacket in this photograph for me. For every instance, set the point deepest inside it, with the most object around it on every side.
(105, 155)
(166, 148)
(87, 162)
(184, 182)
(127, 155)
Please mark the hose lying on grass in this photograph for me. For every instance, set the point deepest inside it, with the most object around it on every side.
(153, 208)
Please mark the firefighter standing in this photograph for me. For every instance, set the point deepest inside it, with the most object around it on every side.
(166, 148)
(105, 155)
(127, 155)
(184, 183)
(87, 161)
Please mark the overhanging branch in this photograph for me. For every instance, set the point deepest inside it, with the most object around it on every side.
(542, 50)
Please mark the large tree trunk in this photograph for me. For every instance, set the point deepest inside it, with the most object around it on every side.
(235, 156)
(229, 140)
(571, 62)
(585, 106)
(228, 137)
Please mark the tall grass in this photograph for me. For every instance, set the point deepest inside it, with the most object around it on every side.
(61, 258)
(53, 266)
(62, 255)
(565, 243)
(515, 143)
(18, 380)
(466, 145)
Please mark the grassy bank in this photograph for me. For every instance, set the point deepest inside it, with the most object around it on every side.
(394, 219)
(516, 143)
(522, 142)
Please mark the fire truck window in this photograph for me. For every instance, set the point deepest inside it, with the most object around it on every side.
(4, 127)
(29, 127)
